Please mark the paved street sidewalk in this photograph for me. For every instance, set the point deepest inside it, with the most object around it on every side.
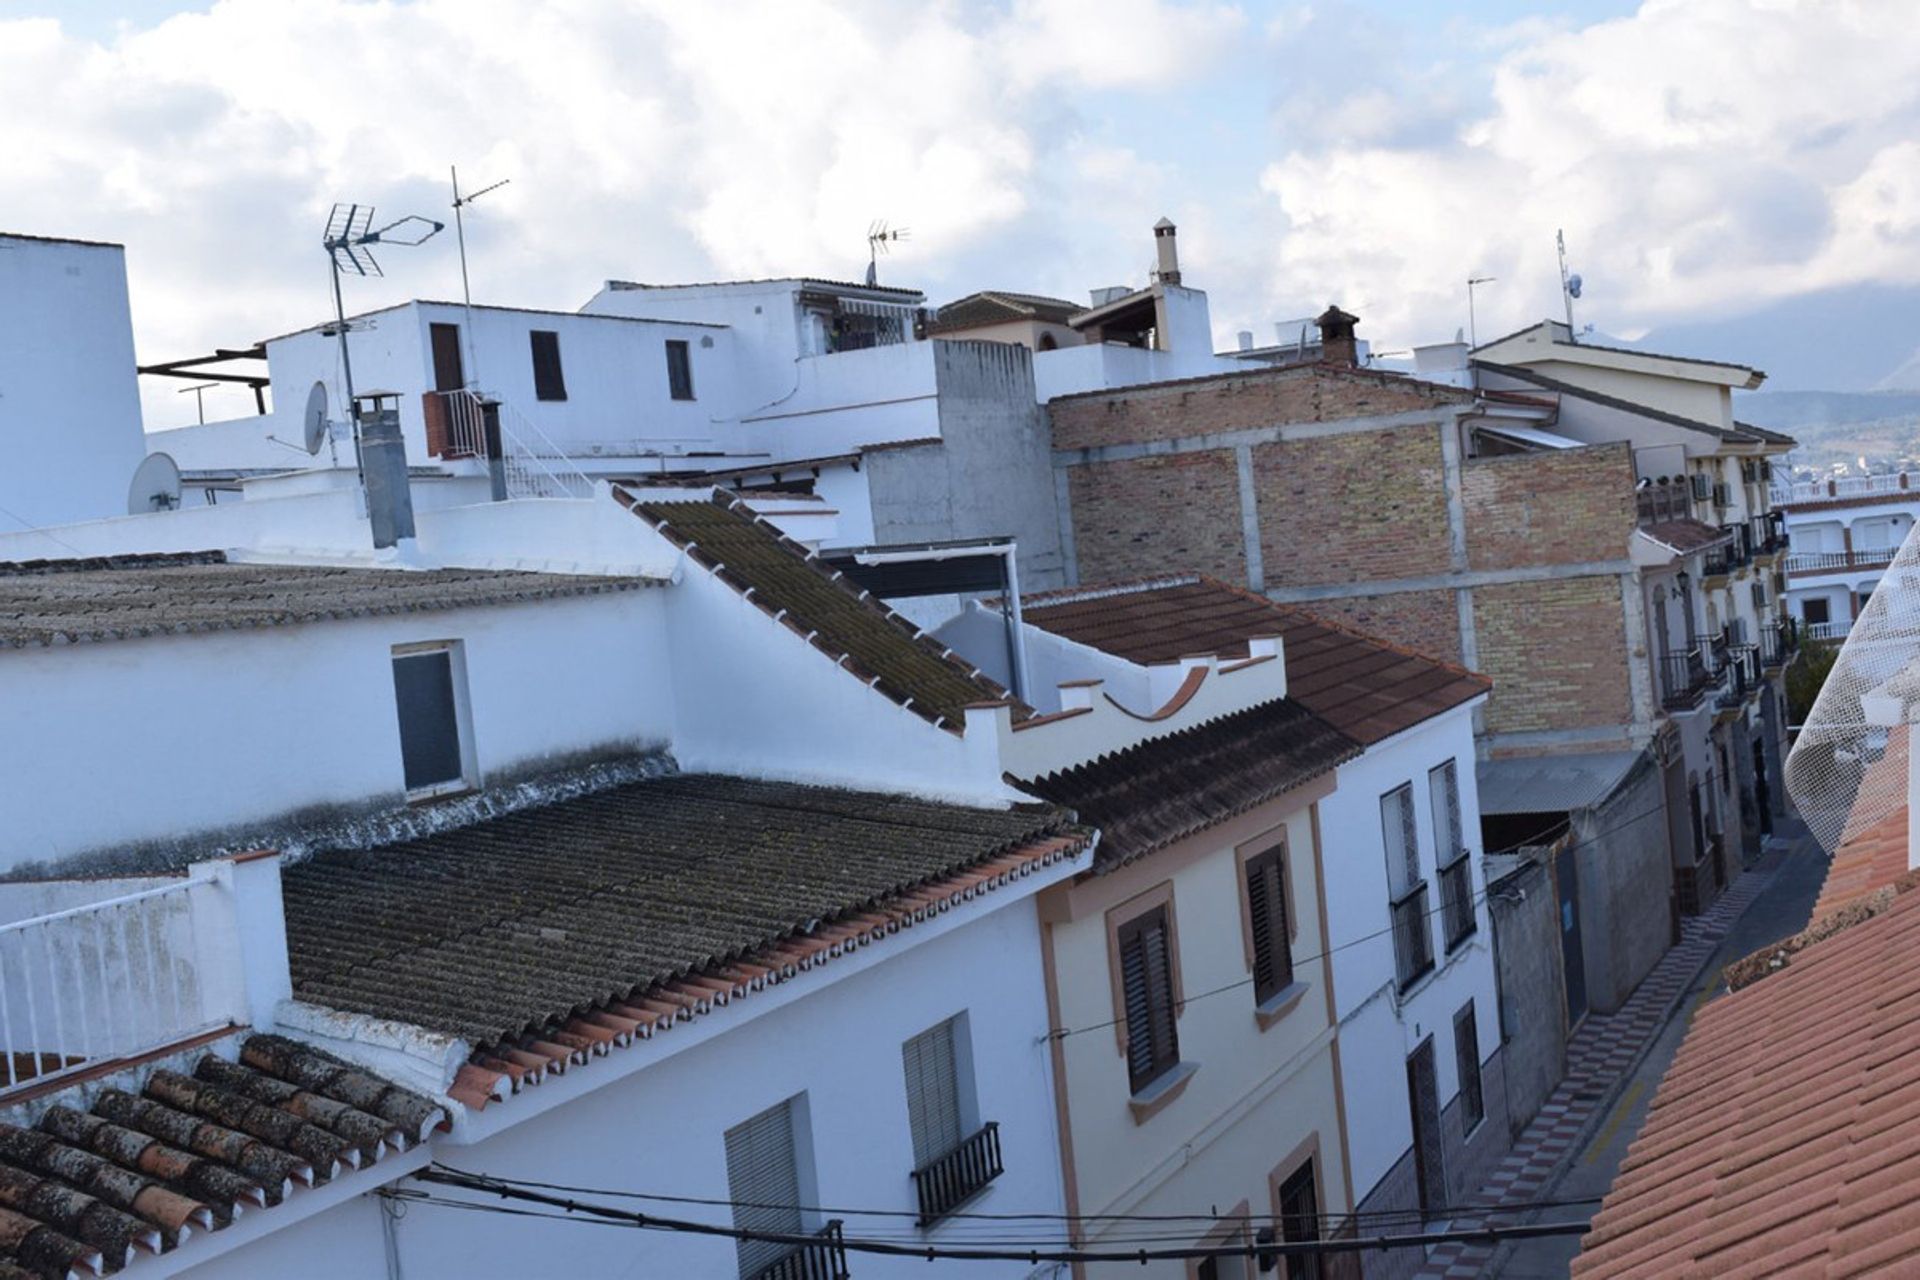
(1600, 1057)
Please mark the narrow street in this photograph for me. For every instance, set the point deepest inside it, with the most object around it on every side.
(1780, 909)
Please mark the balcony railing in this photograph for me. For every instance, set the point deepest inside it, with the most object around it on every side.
(1840, 561)
(1717, 563)
(951, 1180)
(113, 979)
(822, 1258)
(463, 424)
(1849, 487)
(1662, 502)
(1412, 937)
(1683, 679)
(1779, 642)
(1456, 900)
(1826, 630)
(1745, 670)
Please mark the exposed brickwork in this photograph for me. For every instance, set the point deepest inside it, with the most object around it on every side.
(1232, 402)
(1352, 508)
(1562, 506)
(1152, 515)
(1426, 621)
(1557, 652)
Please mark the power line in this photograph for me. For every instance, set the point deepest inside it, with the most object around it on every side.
(590, 1211)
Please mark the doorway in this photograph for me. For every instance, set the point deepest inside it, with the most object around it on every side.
(1567, 879)
(449, 374)
(1423, 1100)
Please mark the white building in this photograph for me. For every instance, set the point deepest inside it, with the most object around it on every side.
(1844, 532)
(69, 406)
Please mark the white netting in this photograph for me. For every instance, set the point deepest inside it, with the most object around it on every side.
(1848, 769)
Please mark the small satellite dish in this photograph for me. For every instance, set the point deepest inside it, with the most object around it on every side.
(316, 417)
(1573, 286)
(155, 487)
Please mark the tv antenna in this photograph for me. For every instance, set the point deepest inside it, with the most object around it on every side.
(878, 237)
(1473, 328)
(199, 390)
(349, 240)
(1569, 284)
(460, 233)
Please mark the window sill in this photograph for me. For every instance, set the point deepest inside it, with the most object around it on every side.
(1280, 1004)
(443, 791)
(1454, 944)
(1150, 1101)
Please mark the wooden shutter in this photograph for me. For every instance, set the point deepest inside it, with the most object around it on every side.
(429, 718)
(933, 1093)
(763, 1180)
(1466, 1053)
(1443, 785)
(549, 382)
(1146, 979)
(1402, 839)
(1267, 916)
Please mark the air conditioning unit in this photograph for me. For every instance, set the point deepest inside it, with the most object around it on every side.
(1701, 485)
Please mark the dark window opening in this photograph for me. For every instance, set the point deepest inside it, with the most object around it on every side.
(1466, 1051)
(679, 370)
(1300, 1220)
(1146, 981)
(429, 719)
(1815, 611)
(448, 372)
(1267, 916)
(548, 381)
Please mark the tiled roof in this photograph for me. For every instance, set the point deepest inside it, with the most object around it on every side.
(787, 581)
(1686, 535)
(1864, 862)
(1363, 686)
(1165, 789)
(999, 307)
(52, 602)
(85, 1190)
(567, 928)
(1771, 437)
(1784, 1138)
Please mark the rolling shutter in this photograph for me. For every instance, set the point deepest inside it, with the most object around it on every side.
(763, 1180)
(933, 1093)
(429, 718)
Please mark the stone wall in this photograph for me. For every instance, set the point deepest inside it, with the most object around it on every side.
(1533, 990)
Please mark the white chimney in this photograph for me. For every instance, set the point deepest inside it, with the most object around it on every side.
(1246, 339)
(1166, 251)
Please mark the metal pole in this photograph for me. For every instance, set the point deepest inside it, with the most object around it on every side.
(1020, 681)
(346, 361)
(466, 293)
(1566, 296)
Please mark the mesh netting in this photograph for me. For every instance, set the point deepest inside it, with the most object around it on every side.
(1848, 769)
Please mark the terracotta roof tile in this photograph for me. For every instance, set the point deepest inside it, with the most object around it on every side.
(788, 582)
(89, 1191)
(1366, 687)
(1686, 535)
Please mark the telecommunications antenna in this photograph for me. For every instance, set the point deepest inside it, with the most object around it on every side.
(349, 240)
(155, 487)
(879, 235)
(315, 418)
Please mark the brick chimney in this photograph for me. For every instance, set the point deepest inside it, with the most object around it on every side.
(1336, 336)
(1168, 254)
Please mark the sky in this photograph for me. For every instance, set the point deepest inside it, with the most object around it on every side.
(1704, 157)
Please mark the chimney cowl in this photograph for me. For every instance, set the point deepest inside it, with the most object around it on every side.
(1337, 343)
(1166, 252)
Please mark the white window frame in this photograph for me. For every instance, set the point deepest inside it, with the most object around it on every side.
(456, 651)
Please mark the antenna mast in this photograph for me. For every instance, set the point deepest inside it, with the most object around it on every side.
(1569, 284)
(878, 236)
(1473, 328)
(349, 236)
(460, 233)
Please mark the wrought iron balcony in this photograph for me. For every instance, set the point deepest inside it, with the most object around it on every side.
(1778, 643)
(822, 1258)
(1412, 937)
(1718, 562)
(1456, 901)
(948, 1181)
(1745, 670)
(1683, 679)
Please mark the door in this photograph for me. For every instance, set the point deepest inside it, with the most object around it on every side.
(1762, 789)
(1423, 1100)
(448, 372)
(1567, 876)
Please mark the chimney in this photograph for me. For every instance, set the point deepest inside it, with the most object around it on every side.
(1246, 339)
(1169, 254)
(383, 467)
(1336, 337)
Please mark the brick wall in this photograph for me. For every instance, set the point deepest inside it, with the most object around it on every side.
(1352, 508)
(1557, 652)
(1159, 515)
(1198, 406)
(1428, 621)
(1559, 507)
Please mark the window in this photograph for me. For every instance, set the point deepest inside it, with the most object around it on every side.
(1443, 792)
(763, 1181)
(548, 382)
(1300, 1220)
(933, 1093)
(1760, 596)
(1403, 841)
(679, 370)
(1266, 882)
(428, 690)
(1231, 1231)
(1146, 985)
(1466, 1051)
(1815, 611)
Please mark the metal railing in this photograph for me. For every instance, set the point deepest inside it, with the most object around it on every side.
(1844, 487)
(1662, 502)
(107, 980)
(1745, 670)
(822, 1258)
(535, 466)
(948, 1181)
(1683, 678)
(1826, 630)
(1779, 641)
(1456, 900)
(1412, 937)
(1837, 561)
(1717, 563)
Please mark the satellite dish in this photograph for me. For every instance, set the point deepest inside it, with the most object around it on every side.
(1573, 286)
(155, 487)
(316, 417)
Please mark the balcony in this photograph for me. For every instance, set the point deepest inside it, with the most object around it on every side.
(1683, 679)
(1744, 667)
(1806, 491)
(1826, 631)
(1663, 502)
(822, 1258)
(1412, 939)
(1456, 901)
(1810, 562)
(945, 1183)
(1778, 643)
(1717, 564)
